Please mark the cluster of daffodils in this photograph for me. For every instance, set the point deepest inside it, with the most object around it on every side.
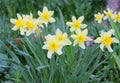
(80, 36)
(106, 38)
(28, 25)
(79, 33)
(55, 43)
(106, 15)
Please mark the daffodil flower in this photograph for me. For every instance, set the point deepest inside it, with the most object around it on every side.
(52, 45)
(99, 17)
(18, 24)
(46, 16)
(106, 40)
(30, 24)
(116, 17)
(108, 14)
(80, 38)
(76, 24)
(62, 37)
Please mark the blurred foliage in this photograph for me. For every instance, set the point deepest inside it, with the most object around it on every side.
(9, 8)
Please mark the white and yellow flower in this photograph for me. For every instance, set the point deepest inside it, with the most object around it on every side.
(99, 17)
(52, 45)
(30, 24)
(76, 24)
(108, 13)
(62, 37)
(18, 24)
(80, 38)
(46, 16)
(39, 22)
(106, 40)
(116, 17)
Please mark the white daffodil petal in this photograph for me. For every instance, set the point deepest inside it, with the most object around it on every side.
(104, 12)
(58, 32)
(95, 15)
(73, 36)
(39, 13)
(49, 37)
(49, 54)
(99, 21)
(65, 35)
(15, 28)
(28, 33)
(102, 16)
(73, 18)
(81, 18)
(51, 13)
(51, 20)
(22, 32)
(45, 46)
(102, 47)
(59, 52)
(102, 33)
(111, 32)
(42, 26)
(45, 9)
(72, 29)
(31, 15)
(83, 25)
(115, 40)
(13, 21)
(82, 45)
(19, 17)
(75, 42)
(98, 40)
(109, 48)
(89, 39)
(105, 18)
(78, 32)
(69, 23)
(85, 32)
(68, 42)
(46, 23)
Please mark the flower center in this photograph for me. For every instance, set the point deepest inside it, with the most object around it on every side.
(81, 38)
(99, 17)
(108, 14)
(117, 17)
(45, 16)
(76, 24)
(60, 37)
(30, 25)
(53, 46)
(19, 23)
(107, 40)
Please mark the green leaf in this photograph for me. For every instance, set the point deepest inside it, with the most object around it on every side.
(116, 29)
(62, 20)
(117, 59)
